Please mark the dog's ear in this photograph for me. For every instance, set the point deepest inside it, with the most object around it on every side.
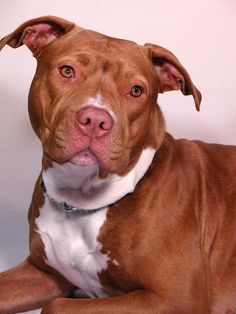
(172, 75)
(37, 33)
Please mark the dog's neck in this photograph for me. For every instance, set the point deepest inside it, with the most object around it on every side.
(74, 187)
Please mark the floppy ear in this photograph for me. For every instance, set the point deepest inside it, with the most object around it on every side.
(172, 74)
(36, 34)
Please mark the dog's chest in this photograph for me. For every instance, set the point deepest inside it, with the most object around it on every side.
(71, 246)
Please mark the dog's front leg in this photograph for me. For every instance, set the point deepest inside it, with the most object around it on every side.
(25, 287)
(134, 302)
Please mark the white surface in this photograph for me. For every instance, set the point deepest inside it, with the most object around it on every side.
(201, 34)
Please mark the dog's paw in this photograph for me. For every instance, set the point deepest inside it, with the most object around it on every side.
(54, 307)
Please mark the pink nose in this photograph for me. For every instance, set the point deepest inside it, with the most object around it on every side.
(94, 122)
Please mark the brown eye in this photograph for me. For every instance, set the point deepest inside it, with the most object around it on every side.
(136, 91)
(67, 71)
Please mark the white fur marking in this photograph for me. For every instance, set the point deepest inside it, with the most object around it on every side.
(99, 103)
(80, 186)
(71, 245)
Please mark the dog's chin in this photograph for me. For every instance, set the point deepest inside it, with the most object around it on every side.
(84, 158)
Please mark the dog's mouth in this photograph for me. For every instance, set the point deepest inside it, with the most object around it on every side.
(84, 158)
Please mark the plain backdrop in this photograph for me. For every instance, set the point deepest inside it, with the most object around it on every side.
(202, 34)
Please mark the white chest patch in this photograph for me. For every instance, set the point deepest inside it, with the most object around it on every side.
(71, 246)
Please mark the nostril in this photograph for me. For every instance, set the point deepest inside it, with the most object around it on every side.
(88, 121)
(106, 124)
(103, 126)
(84, 120)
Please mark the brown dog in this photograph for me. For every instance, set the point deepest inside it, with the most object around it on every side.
(141, 222)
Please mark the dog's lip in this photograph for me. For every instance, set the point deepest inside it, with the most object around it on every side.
(83, 157)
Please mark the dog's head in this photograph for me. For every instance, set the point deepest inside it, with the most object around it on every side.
(93, 99)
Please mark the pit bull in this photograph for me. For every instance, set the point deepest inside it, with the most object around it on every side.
(139, 221)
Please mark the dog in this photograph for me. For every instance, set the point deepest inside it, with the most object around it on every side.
(139, 221)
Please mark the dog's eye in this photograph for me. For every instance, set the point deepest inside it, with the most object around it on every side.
(67, 71)
(136, 91)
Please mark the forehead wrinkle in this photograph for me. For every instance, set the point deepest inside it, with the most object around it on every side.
(129, 72)
(84, 58)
